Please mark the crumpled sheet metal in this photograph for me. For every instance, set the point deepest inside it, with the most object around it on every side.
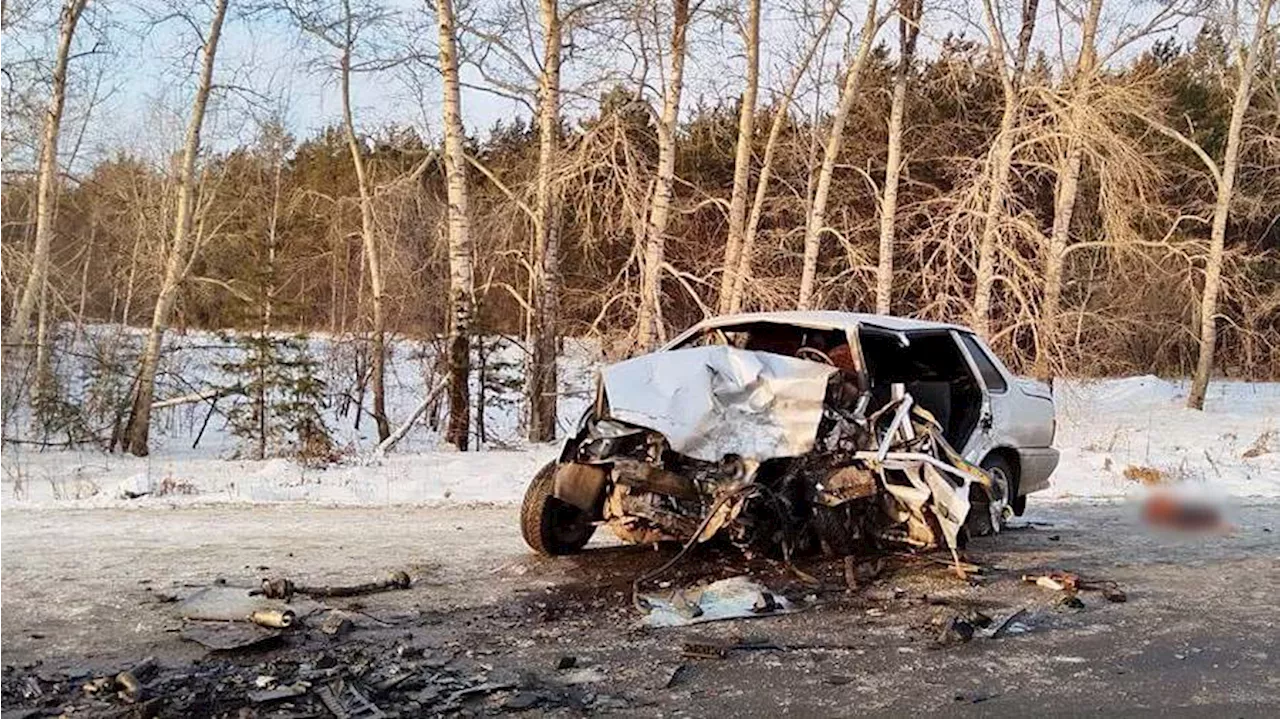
(949, 504)
(939, 480)
(732, 598)
(710, 402)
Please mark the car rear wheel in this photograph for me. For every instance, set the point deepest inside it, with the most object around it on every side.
(550, 525)
(1002, 475)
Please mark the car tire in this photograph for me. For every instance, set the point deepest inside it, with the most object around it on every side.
(1019, 505)
(1002, 474)
(550, 525)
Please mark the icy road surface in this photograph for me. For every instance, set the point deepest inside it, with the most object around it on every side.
(1200, 632)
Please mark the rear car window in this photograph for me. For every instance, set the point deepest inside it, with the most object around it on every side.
(990, 375)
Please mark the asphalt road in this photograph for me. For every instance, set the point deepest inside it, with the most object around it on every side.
(1198, 636)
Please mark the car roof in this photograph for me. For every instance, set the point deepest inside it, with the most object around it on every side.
(827, 319)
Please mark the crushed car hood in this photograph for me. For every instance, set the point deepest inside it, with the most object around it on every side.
(710, 402)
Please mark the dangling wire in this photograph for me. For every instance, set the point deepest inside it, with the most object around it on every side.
(745, 490)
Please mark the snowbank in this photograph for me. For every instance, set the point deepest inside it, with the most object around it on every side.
(1104, 428)
(90, 479)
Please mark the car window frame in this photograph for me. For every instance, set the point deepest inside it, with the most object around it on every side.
(969, 342)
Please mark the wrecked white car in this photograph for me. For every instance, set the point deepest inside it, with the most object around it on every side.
(800, 431)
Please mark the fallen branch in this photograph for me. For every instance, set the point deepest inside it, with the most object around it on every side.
(418, 411)
(209, 394)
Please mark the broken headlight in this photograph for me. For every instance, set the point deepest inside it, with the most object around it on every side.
(607, 439)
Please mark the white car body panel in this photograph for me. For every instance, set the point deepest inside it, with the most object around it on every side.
(719, 400)
(1017, 420)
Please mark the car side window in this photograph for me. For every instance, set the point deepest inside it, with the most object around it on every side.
(990, 374)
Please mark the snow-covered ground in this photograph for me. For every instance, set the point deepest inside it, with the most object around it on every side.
(1105, 427)
(1232, 448)
(420, 469)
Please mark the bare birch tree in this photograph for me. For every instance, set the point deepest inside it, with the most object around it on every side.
(1000, 157)
(816, 223)
(742, 156)
(541, 382)
(368, 234)
(1066, 189)
(1247, 56)
(47, 172)
(781, 112)
(508, 43)
(342, 33)
(909, 14)
(178, 262)
(1090, 112)
(461, 269)
(650, 315)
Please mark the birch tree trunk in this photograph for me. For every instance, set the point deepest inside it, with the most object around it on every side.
(742, 158)
(1001, 156)
(817, 220)
(1065, 192)
(660, 203)
(47, 173)
(1222, 206)
(268, 287)
(43, 393)
(461, 271)
(780, 114)
(909, 12)
(178, 261)
(541, 380)
(84, 276)
(368, 235)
